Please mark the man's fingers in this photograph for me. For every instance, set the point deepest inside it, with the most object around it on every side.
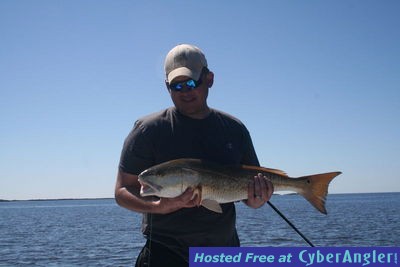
(190, 198)
(260, 191)
(270, 187)
(263, 187)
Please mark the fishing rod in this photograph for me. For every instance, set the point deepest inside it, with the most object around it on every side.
(290, 224)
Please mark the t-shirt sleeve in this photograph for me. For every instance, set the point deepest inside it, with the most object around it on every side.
(249, 153)
(137, 153)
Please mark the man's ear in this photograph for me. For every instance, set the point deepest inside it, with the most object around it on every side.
(210, 79)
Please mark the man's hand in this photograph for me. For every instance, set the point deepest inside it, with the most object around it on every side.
(127, 194)
(260, 191)
(187, 200)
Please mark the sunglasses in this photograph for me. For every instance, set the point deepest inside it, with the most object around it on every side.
(188, 84)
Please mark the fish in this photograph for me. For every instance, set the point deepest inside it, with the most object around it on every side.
(216, 183)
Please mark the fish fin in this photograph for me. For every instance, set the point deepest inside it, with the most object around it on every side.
(211, 205)
(316, 189)
(263, 169)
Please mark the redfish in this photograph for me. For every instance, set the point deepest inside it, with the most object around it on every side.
(217, 184)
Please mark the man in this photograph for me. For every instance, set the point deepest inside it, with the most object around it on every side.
(190, 129)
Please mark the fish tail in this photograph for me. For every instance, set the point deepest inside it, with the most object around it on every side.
(316, 188)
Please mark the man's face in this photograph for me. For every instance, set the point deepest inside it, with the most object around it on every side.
(193, 102)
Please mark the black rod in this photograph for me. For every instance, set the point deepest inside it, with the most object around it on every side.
(291, 224)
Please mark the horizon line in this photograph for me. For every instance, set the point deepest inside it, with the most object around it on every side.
(100, 198)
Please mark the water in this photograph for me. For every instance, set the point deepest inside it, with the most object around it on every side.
(352, 220)
(99, 233)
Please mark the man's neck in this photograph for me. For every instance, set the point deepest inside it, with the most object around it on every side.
(201, 114)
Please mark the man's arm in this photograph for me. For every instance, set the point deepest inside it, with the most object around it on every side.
(127, 195)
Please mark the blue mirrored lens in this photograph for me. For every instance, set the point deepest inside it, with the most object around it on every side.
(191, 84)
(178, 86)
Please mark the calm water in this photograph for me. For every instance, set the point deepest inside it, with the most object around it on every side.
(99, 233)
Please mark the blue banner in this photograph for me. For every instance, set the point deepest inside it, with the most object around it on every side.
(294, 256)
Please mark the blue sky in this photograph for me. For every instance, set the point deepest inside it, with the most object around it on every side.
(315, 82)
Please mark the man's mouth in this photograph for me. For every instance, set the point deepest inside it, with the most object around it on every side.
(188, 99)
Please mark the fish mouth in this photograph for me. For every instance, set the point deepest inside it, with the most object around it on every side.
(148, 188)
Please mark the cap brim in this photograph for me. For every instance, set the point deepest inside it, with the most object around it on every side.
(183, 71)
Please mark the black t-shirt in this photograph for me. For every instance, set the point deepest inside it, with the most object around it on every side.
(169, 135)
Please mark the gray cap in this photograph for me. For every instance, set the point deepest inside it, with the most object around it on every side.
(184, 60)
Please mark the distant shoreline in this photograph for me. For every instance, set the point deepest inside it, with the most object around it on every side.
(110, 198)
(55, 199)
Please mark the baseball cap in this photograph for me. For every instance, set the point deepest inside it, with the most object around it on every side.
(184, 60)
